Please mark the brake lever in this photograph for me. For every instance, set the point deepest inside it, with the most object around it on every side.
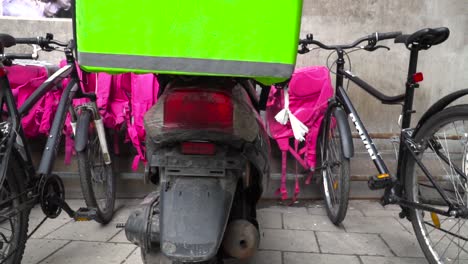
(374, 48)
(303, 49)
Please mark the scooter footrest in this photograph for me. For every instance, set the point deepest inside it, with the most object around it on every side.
(85, 214)
(378, 182)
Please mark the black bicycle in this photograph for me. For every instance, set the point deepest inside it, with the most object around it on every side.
(22, 186)
(431, 183)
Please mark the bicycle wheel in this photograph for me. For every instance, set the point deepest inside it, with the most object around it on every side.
(334, 172)
(97, 179)
(13, 221)
(442, 137)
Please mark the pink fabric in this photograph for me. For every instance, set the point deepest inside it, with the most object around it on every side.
(121, 99)
(145, 89)
(309, 91)
(24, 80)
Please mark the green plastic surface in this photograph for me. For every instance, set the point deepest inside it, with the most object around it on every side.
(263, 32)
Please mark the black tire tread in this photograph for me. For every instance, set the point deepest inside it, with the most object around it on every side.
(336, 219)
(15, 178)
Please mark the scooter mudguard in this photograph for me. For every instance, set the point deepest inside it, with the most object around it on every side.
(194, 214)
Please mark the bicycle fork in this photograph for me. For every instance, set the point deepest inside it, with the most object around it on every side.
(99, 125)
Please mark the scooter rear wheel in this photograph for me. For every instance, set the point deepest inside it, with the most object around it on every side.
(152, 257)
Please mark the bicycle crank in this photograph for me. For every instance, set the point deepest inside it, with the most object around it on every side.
(52, 199)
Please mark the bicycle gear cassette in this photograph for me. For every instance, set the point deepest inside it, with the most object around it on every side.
(51, 193)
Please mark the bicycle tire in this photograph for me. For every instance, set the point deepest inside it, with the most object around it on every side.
(103, 200)
(13, 183)
(429, 136)
(336, 209)
(339, 184)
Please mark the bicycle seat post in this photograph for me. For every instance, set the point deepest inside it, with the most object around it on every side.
(410, 86)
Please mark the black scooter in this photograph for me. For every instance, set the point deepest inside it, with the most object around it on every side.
(208, 151)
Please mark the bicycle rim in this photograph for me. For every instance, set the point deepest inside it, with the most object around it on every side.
(442, 239)
(101, 177)
(334, 172)
(97, 181)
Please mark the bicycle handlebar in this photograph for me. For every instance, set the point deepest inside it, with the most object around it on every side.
(372, 39)
(42, 42)
(388, 35)
(12, 56)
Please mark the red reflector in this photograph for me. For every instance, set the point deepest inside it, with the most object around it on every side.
(198, 148)
(418, 77)
(198, 109)
(3, 72)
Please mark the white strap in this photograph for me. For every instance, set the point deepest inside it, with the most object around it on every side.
(298, 128)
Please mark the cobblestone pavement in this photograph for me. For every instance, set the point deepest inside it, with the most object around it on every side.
(300, 234)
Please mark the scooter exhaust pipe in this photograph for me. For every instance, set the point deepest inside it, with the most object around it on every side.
(241, 239)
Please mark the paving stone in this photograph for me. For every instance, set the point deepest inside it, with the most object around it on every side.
(261, 257)
(403, 244)
(266, 257)
(122, 212)
(120, 237)
(39, 249)
(135, 258)
(301, 258)
(49, 226)
(365, 205)
(319, 209)
(268, 219)
(310, 222)
(359, 224)
(392, 260)
(288, 240)
(90, 252)
(352, 243)
(393, 207)
(85, 231)
(388, 213)
(406, 224)
(284, 209)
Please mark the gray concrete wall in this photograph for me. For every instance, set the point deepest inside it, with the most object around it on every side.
(341, 21)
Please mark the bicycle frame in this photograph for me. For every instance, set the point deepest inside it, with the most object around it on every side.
(407, 148)
(16, 140)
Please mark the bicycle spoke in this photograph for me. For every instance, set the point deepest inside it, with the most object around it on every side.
(452, 173)
(452, 240)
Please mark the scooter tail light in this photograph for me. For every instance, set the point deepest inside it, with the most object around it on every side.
(198, 109)
(198, 148)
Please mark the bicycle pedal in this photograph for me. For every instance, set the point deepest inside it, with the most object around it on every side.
(85, 214)
(380, 181)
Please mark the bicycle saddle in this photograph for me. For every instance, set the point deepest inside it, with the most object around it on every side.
(424, 38)
(7, 41)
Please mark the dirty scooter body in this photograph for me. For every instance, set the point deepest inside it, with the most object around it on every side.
(208, 150)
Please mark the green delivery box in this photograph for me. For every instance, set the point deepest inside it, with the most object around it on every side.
(247, 38)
